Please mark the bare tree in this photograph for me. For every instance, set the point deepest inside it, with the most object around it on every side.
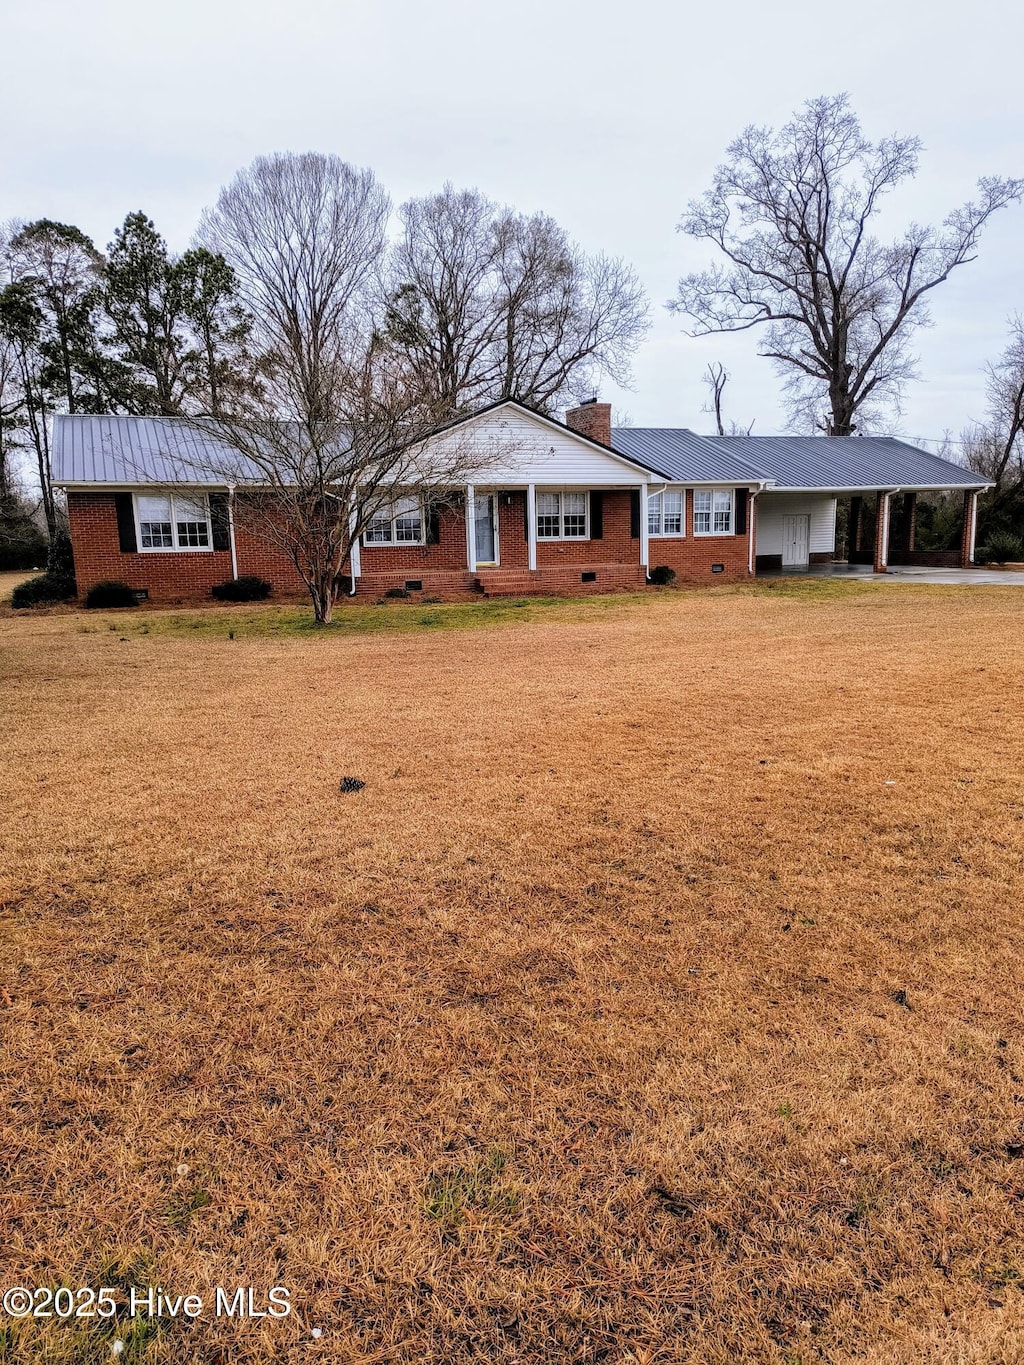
(716, 377)
(995, 447)
(338, 432)
(493, 304)
(792, 213)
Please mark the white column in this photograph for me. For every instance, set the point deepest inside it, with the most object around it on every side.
(972, 526)
(354, 564)
(471, 527)
(883, 549)
(751, 500)
(531, 525)
(231, 530)
(645, 548)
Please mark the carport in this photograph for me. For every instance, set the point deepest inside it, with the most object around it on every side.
(804, 477)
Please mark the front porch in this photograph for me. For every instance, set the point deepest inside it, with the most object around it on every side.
(513, 541)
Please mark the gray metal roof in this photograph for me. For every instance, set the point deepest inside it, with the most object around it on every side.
(134, 450)
(840, 462)
(679, 454)
(805, 462)
(170, 450)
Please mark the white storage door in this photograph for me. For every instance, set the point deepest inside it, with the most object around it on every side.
(796, 542)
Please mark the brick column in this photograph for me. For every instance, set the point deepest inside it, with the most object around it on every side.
(882, 509)
(969, 529)
(855, 527)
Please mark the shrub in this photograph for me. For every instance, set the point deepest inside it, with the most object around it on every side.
(397, 592)
(662, 576)
(1002, 547)
(43, 590)
(248, 588)
(110, 594)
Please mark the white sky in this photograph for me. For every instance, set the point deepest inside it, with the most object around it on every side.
(607, 116)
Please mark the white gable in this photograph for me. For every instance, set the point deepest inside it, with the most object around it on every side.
(519, 447)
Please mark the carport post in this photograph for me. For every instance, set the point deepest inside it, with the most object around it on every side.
(882, 532)
(970, 528)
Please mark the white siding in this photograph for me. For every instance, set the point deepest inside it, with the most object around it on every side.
(772, 507)
(515, 448)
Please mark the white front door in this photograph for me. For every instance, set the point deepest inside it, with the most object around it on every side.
(486, 507)
(796, 542)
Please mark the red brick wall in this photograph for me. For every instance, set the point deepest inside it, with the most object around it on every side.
(177, 576)
(692, 556)
(413, 560)
(167, 575)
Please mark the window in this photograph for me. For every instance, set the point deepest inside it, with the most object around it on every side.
(172, 522)
(561, 516)
(665, 514)
(712, 512)
(399, 524)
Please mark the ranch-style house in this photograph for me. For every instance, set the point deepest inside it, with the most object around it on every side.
(574, 506)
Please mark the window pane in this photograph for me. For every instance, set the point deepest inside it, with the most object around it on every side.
(155, 535)
(574, 514)
(547, 516)
(407, 526)
(672, 523)
(154, 508)
(379, 530)
(654, 515)
(723, 511)
(723, 501)
(192, 535)
(191, 524)
(701, 501)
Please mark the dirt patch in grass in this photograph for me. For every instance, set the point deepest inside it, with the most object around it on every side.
(658, 998)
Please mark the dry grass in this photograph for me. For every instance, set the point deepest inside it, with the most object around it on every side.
(576, 1035)
(9, 580)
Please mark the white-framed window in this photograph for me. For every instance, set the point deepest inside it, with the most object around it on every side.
(562, 516)
(173, 521)
(399, 524)
(712, 511)
(665, 513)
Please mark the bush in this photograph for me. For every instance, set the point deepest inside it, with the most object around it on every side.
(1002, 547)
(248, 588)
(662, 576)
(397, 592)
(41, 591)
(110, 594)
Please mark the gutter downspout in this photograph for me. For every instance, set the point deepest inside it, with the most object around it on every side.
(231, 530)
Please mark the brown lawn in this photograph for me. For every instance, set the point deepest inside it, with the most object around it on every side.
(657, 1000)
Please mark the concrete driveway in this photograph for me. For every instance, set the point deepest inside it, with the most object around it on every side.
(974, 578)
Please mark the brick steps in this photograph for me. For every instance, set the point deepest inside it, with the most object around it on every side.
(557, 580)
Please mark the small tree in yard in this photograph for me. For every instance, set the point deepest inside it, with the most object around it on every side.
(337, 432)
(792, 212)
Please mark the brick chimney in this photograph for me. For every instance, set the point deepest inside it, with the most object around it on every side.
(592, 419)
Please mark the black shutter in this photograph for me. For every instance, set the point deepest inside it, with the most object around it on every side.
(219, 521)
(634, 514)
(433, 523)
(526, 516)
(741, 511)
(125, 523)
(596, 514)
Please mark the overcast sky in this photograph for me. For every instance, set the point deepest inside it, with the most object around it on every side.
(609, 116)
